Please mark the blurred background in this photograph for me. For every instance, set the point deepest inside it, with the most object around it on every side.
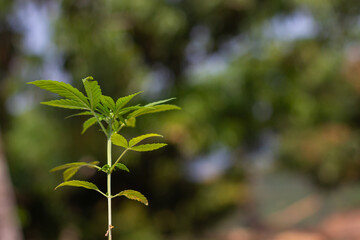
(267, 145)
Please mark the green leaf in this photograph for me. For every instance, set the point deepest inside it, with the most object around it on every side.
(153, 109)
(75, 164)
(72, 168)
(128, 109)
(105, 168)
(138, 139)
(104, 110)
(121, 120)
(121, 102)
(119, 140)
(81, 114)
(159, 102)
(108, 102)
(65, 103)
(68, 173)
(133, 195)
(93, 91)
(131, 122)
(121, 167)
(148, 147)
(88, 123)
(77, 183)
(115, 125)
(62, 89)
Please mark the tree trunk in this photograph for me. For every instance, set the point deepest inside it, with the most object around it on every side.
(9, 227)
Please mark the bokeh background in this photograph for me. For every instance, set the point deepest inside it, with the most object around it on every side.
(267, 145)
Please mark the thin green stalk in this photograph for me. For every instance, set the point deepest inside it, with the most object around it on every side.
(101, 125)
(122, 154)
(102, 193)
(109, 188)
(122, 125)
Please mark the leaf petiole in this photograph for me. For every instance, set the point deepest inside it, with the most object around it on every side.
(117, 161)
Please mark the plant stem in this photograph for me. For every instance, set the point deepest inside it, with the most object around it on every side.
(101, 125)
(109, 188)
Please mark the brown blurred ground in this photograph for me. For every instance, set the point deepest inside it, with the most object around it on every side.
(339, 226)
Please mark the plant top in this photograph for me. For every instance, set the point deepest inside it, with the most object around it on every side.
(111, 116)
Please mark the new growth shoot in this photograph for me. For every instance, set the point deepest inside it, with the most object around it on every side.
(112, 116)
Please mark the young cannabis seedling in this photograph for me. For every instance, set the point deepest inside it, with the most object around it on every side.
(111, 116)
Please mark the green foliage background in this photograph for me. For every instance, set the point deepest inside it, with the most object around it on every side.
(269, 89)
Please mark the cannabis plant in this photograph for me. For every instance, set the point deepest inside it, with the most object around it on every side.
(112, 116)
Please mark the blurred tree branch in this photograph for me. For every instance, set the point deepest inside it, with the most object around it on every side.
(9, 227)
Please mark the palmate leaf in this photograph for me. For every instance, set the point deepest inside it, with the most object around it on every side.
(133, 195)
(153, 109)
(62, 89)
(65, 103)
(88, 123)
(147, 147)
(138, 139)
(119, 140)
(93, 91)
